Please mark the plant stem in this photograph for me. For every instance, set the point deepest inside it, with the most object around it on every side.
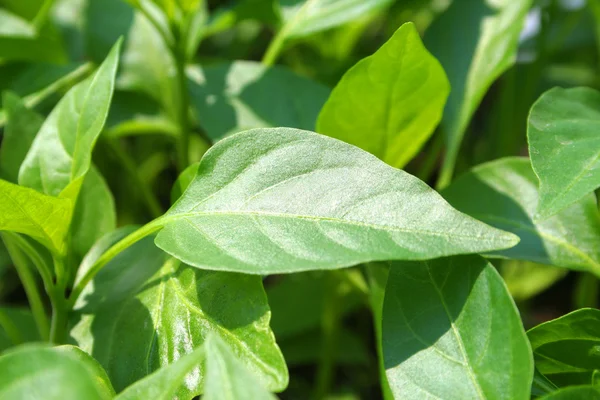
(118, 247)
(43, 269)
(149, 198)
(60, 309)
(274, 48)
(29, 285)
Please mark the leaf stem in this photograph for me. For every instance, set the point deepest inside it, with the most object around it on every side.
(29, 285)
(118, 247)
(60, 309)
(43, 269)
(274, 48)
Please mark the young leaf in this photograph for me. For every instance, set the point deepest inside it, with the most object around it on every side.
(304, 17)
(21, 127)
(143, 312)
(61, 154)
(452, 331)
(389, 103)
(17, 326)
(165, 382)
(284, 200)
(566, 349)
(507, 194)
(242, 95)
(227, 378)
(52, 373)
(583, 392)
(44, 218)
(565, 146)
(476, 41)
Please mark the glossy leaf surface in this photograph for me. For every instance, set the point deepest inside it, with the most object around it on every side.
(452, 331)
(52, 373)
(507, 194)
(475, 41)
(389, 103)
(144, 311)
(232, 97)
(61, 153)
(566, 349)
(227, 378)
(284, 200)
(565, 146)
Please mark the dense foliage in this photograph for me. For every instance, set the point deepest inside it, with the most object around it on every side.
(235, 199)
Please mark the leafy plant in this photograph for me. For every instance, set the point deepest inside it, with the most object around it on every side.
(184, 220)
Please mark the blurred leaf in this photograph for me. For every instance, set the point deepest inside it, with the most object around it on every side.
(105, 22)
(566, 349)
(525, 279)
(17, 326)
(452, 331)
(476, 41)
(52, 373)
(587, 392)
(183, 181)
(389, 103)
(280, 200)
(12, 25)
(565, 147)
(507, 194)
(236, 96)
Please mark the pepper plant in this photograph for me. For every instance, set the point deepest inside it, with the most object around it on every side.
(236, 199)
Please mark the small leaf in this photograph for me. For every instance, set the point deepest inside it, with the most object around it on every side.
(283, 200)
(507, 192)
(452, 331)
(21, 127)
(165, 382)
(44, 218)
(389, 103)
(567, 349)
(144, 311)
(17, 326)
(565, 146)
(61, 154)
(583, 392)
(226, 377)
(242, 95)
(52, 373)
(476, 41)
(305, 17)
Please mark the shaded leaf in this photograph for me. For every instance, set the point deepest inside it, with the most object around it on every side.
(17, 326)
(588, 392)
(183, 181)
(389, 103)
(283, 200)
(566, 348)
(526, 279)
(452, 331)
(507, 194)
(565, 146)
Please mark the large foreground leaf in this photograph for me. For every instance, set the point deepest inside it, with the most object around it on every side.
(61, 153)
(476, 41)
(507, 194)
(566, 349)
(452, 331)
(564, 144)
(39, 372)
(389, 103)
(283, 200)
(232, 97)
(45, 218)
(144, 311)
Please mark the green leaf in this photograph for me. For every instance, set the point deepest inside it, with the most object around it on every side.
(52, 373)
(105, 22)
(566, 349)
(507, 194)
(397, 95)
(45, 46)
(12, 25)
(44, 218)
(17, 326)
(61, 154)
(94, 214)
(565, 147)
(165, 383)
(452, 331)
(183, 181)
(476, 41)
(144, 311)
(236, 96)
(583, 392)
(284, 200)
(227, 378)
(525, 279)
(21, 127)
(305, 17)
